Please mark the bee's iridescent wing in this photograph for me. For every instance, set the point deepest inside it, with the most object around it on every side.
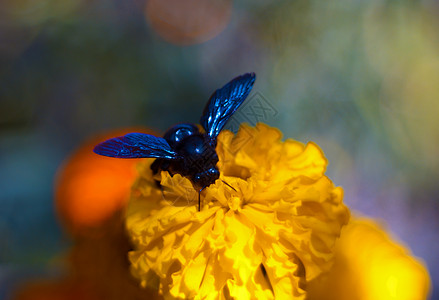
(136, 145)
(224, 102)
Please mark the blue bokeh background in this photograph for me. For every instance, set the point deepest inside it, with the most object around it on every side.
(358, 78)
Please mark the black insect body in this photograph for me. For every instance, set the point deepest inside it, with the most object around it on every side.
(198, 156)
(184, 149)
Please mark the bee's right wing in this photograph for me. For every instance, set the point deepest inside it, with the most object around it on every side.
(136, 145)
(224, 102)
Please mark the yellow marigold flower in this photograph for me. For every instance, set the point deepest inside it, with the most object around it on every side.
(370, 266)
(255, 242)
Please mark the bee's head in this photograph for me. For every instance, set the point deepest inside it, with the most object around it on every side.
(206, 178)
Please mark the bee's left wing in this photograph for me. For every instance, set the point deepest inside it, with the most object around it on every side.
(224, 102)
(136, 145)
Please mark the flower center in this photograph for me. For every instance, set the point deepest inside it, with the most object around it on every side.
(235, 203)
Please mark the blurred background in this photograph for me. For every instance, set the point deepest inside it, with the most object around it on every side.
(360, 78)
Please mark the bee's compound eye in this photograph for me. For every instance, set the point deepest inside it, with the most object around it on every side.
(179, 132)
(213, 174)
(214, 171)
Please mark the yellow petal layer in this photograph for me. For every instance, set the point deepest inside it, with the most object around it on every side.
(263, 239)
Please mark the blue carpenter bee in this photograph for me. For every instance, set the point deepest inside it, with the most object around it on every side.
(184, 149)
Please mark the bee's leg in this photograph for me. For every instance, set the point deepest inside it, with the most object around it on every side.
(156, 165)
(157, 183)
(199, 198)
(160, 164)
(161, 188)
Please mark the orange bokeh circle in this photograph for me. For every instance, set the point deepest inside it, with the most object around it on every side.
(188, 22)
(90, 188)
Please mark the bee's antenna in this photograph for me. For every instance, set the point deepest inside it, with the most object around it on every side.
(228, 185)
